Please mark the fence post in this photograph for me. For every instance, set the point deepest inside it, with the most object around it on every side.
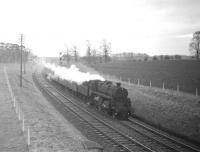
(23, 122)
(163, 85)
(120, 78)
(14, 102)
(138, 81)
(28, 139)
(150, 84)
(19, 116)
(197, 92)
(11, 93)
(16, 108)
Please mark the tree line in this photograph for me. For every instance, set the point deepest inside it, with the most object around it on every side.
(194, 45)
(104, 55)
(92, 55)
(10, 53)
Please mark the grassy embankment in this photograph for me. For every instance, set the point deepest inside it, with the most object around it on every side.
(49, 130)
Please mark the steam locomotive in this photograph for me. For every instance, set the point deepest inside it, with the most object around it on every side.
(105, 96)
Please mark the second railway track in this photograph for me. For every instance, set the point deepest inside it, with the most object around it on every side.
(156, 136)
(136, 136)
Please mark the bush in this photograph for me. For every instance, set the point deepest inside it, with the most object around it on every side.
(166, 57)
(155, 58)
(177, 57)
(146, 58)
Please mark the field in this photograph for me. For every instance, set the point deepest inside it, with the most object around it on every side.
(176, 112)
(184, 73)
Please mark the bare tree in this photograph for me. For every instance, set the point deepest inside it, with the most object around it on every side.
(194, 44)
(89, 51)
(94, 52)
(75, 52)
(66, 55)
(106, 50)
(94, 55)
(60, 58)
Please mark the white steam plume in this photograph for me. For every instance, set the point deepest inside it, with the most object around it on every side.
(72, 73)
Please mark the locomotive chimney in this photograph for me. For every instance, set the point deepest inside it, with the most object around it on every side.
(118, 84)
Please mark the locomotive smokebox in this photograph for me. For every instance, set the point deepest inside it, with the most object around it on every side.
(118, 84)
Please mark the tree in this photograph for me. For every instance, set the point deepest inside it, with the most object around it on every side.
(26, 54)
(161, 57)
(89, 52)
(67, 55)
(155, 58)
(106, 50)
(166, 57)
(146, 58)
(177, 57)
(11, 53)
(75, 52)
(194, 45)
(94, 55)
(60, 58)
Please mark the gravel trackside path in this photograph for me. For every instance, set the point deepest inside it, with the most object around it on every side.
(49, 130)
(11, 136)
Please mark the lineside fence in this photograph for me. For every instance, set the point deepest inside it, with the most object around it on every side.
(19, 112)
(148, 84)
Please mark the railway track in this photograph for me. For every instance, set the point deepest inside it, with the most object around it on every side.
(154, 136)
(121, 141)
(135, 136)
(166, 142)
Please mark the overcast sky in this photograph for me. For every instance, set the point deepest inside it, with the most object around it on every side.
(145, 26)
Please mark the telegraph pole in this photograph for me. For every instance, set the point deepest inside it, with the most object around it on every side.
(21, 45)
(24, 61)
